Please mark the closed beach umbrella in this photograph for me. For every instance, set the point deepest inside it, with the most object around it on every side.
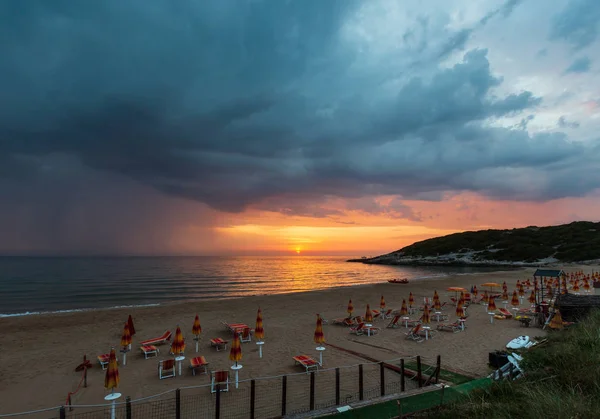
(436, 304)
(532, 297)
(125, 342)
(576, 285)
(461, 300)
(178, 344)
(521, 290)
(196, 330)
(557, 322)
(460, 311)
(403, 309)
(425, 319)
(319, 336)
(411, 299)
(436, 296)
(586, 285)
(368, 315)
(518, 283)
(491, 305)
(111, 379)
(515, 299)
(475, 291)
(235, 353)
(504, 295)
(259, 332)
(382, 303)
(486, 297)
(131, 328)
(350, 308)
(504, 286)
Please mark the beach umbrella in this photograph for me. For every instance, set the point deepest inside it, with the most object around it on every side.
(491, 285)
(403, 309)
(259, 332)
(521, 290)
(111, 379)
(491, 305)
(131, 328)
(461, 300)
(460, 311)
(586, 285)
(382, 303)
(436, 296)
(576, 285)
(515, 299)
(518, 283)
(125, 342)
(486, 297)
(532, 297)
(504, 294)
(550, 292)
(196, 330)
(368, 315)
(504, 286)
(319, 338)
(235, 353)
(425, 319)
(475, 291)
(178, 344)
(350, 308)
(557, 322)
(411, 299)
(437, 305)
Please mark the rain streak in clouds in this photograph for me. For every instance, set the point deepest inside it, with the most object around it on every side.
(116, 114)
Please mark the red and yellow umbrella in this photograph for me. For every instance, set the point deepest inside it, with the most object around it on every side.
(130, 323)
(557, 322)
(178, 344)
(515, 299)
(436, 296)
(235, 353)
(437, 305)
(403, 309)
(196, 330)
(460, 311)
(486, 297)
(126, 337)
(111, 379)
(504, 286)
(576, 285)
(368, 315)
(319, 336)
(586, 285)
(491, 305)
(411, 299)
(461, 300)
(505, 294)
(475, 291)
(382, 303)
(350, 308)
(521, 290)
(426, 318)
(532, 297)
(259, 332)
(491, 285)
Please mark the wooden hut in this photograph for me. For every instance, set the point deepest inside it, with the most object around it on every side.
(548, 273)
(575, 307)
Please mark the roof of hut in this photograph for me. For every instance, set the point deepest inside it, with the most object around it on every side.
(552, 273)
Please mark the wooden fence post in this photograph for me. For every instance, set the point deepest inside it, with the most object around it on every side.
(62, 412)
(218, 402)
(438, 370)
(360, 382)
(283, 394)
(312, 391)
(382, 378)
(402, 382)
(177, 404)
(337, 386)
(419, 372)
(252, 398)
(128, 407)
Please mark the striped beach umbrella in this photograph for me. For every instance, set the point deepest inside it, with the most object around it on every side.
(350, 308)
(486, 297)
(460, 311)
(532, 297)
(504, 286)
(474, 291)
(403, 309)
(196, 330)
(586, 285)
(504, 294)
(111, 379)
(521, 290)
(178, 344)
(382, 303)
(576, 285)
(461, 300)
(437, 305)
(515, 299)
(125, 342)
(368, 315)
(131, 328)
(425, 319)
(411, 300)
(259, 332)
(319, 337)
(491, 305)
(235, 353)
(557, 322)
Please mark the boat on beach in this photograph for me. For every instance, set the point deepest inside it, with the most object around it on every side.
(398, 281)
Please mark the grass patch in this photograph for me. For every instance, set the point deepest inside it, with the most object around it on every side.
(450, 376)
(562, 381)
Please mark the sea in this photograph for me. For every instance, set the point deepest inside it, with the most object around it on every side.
(36, 285)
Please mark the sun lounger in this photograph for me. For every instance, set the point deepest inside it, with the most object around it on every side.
(387, 314)
(148, 350)
(358, 320)
(394, 323)
(413, 323)
(414, 334)
(358, 330)
(346, 321)
(218, 344)
(376, 313)
(199, 362)
(307, 362)
(157, 341)
(166, 368)
(103, 360)
(507, 314)
(449, 327)
(235, 327)
(246, 336)
(219, 378)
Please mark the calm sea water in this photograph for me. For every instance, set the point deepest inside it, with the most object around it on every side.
(31, 285)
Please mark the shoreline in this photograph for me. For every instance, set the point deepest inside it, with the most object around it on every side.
(501, 265)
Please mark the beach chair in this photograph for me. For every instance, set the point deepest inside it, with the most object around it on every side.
(157, 341)
(346, 321)
(415, 334)
(307, 362)
(413, 323)
(359, 320)
(387, 314)
(219, 378)
(149, 350)
(358, 330)
(103, 360)
(507, 314)
(218, 344)
(376, 314)
(394, 323)
(199, 362)
(449, 327)
(246, 336)
(166, 368)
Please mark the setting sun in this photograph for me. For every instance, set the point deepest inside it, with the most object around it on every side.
(297, 250)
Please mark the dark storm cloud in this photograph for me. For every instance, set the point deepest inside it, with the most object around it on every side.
(580, 65)
(238, 104)
(578, 24)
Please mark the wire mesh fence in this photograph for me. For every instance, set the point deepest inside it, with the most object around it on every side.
(266, 397)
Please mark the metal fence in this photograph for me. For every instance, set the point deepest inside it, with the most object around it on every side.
(266, 397)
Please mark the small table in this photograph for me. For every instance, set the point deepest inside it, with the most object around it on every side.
(406, 319)
(462, 323)
(437, 315)
(112, 397)
(320, 349)
(237, 369)
(260, 344)
(426, 329)
(179, 360)
(368, 327)
(491, 317)
(218, 343)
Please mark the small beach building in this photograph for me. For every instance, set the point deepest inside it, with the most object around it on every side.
(548, 273)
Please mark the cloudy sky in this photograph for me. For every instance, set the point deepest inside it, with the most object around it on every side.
(257, 126)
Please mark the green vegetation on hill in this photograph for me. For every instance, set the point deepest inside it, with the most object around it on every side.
(561, 381)
(572, 242)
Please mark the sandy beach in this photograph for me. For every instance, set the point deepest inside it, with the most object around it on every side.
(40, 352)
